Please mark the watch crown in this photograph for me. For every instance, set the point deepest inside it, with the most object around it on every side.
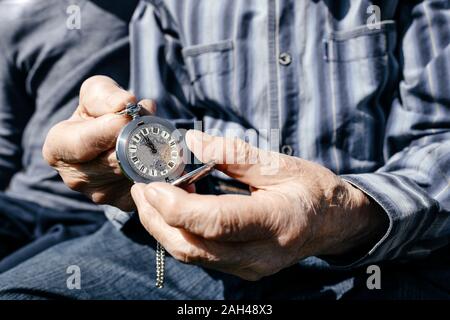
(131, 110)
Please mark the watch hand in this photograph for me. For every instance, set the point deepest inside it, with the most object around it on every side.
(150, 144)
(144, 141)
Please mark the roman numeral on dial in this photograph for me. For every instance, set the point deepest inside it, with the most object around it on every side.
(132, 148)
(155, 130)
(137, 138)
(165, 135)
(135, 160)
(143, 169)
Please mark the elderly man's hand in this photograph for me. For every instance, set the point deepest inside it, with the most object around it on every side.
(302, 210)
(82, 147)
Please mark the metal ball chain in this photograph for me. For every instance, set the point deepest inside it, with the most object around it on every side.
(133, 111)
(160, 256)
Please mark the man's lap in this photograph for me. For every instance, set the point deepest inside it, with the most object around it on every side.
(27, 228)
(121, 265)
(111, 267)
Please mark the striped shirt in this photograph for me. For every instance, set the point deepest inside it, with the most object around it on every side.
(360, 89)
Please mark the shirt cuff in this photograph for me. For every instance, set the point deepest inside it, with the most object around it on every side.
(407, 207)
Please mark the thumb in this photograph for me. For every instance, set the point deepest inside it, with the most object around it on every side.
(234, 157)
(81, 141)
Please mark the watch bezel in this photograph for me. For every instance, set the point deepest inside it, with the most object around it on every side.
(121, 149)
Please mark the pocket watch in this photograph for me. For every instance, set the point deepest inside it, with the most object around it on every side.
(150, 149)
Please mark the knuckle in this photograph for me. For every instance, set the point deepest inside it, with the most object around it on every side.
(47, 154)
(189, 255)
(216, 230)
(91, 83)
(73, 177)
(75, 184)
(118, 99)
(48, 149)
(172, 220)
(107, 160)
(172, 212)
(243, 151)
(99, 198)
(182, 256)
(240, 144)
(172, 205)
(290, 238)
(220, 226)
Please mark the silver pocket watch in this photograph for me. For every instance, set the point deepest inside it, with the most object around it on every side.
(150, 149)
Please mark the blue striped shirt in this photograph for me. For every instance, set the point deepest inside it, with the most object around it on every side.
(365, 95)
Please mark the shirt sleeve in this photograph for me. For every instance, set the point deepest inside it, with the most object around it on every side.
(413, 187)
(15, 111)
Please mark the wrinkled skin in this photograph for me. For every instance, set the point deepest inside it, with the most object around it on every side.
(296, 209)
(301, 210)
(82, 148)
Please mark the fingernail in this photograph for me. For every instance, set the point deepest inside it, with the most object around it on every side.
(192, 136)
(195, 137)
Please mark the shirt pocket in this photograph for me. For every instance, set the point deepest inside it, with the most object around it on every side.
(360, 63)
(359, 43)
(210, 68)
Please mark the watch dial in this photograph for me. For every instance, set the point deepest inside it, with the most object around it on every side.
(153, 151)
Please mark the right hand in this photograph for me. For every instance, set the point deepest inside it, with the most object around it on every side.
(82, 148)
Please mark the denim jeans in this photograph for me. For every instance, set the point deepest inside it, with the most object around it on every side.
(117, 264)
(27, 228)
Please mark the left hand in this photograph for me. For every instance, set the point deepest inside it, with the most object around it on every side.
(303, 210)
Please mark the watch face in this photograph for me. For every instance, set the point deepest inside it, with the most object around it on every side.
(150, 149)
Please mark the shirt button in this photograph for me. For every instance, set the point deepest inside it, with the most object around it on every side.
(287, 150)
(285, 59)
